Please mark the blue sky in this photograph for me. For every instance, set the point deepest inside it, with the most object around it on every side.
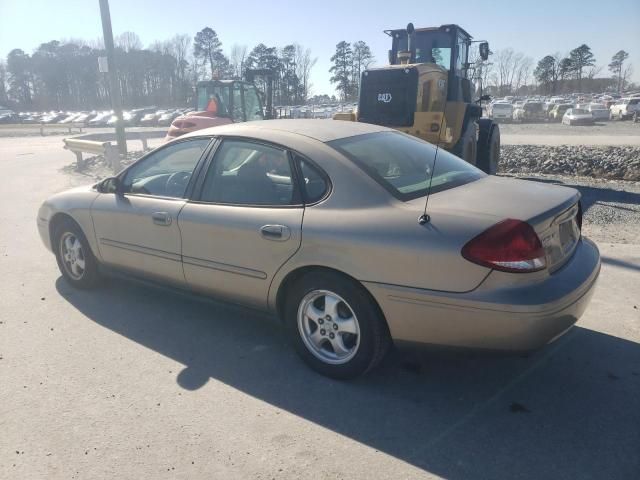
(535, 28)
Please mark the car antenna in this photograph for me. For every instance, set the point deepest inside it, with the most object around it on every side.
(425, 217)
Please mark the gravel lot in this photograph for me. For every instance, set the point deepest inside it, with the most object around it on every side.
(611, 208)
(611, 162)
(614, 128)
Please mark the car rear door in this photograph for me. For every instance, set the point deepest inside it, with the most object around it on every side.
(243, 223)
(136, 228)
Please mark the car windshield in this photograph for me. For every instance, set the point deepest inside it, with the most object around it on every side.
(404, 165)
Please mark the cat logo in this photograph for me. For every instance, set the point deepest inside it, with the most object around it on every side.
(384, 97)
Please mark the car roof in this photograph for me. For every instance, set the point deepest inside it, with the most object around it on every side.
(318, 129)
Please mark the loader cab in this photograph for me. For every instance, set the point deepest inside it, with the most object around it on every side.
(446, 46)
(234, 99)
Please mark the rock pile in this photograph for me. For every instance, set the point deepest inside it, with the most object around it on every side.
(613, 162)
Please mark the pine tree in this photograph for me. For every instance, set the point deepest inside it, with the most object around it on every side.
(362, 58)
(207, 46)
(341, 69)
(581, 57)
(615, 66)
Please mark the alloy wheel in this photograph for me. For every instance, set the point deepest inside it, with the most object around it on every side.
(72, 254)
(328, 327)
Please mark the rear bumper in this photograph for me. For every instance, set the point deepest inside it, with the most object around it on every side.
(518, 318)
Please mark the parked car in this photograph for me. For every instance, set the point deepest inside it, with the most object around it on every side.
(166, 118)
(69, 118)
(53, 117)
(151, 118)
(577, 116)
(9, 116)
(558, 111)
(598, 111)
(499, 263)
(85, 117)
(101, 119)
(624, 108)
(529, 112)
(501, 111)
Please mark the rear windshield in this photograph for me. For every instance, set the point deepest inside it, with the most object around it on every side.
(403, 164)
(502, 106)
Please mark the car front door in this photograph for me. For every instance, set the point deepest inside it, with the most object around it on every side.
(244, 223)
(137, 227)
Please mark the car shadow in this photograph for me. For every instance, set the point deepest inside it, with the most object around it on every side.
(567, 411)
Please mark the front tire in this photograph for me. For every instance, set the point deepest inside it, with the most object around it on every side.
(75, 259)
(335, 325)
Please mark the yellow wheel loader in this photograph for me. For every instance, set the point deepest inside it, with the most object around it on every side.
(426, 91)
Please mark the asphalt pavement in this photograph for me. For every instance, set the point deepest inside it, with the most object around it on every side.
(132, 381)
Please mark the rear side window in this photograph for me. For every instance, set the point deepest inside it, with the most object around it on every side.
(247, 173)
(404, 165)
(314, 183)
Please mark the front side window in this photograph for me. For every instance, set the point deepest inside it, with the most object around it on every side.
(247, 173)
(404, 164)
(165, 172)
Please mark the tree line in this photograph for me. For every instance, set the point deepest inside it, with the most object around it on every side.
(511, 73)
(555, 72)
(64, 74)
(507, 72)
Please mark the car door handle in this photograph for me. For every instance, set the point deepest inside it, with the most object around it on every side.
(279, 233)
(161, 218)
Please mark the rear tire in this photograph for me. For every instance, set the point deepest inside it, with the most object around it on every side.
(489, 152)
(75, 259)
(323, 309)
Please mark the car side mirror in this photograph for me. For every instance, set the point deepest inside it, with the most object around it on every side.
(111, 185)
(484, 50)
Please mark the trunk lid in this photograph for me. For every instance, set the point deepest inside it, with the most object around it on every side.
(553, 211)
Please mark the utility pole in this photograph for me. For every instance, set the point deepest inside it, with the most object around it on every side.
(114, 89)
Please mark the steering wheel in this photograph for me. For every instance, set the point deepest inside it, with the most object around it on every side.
(177, 183)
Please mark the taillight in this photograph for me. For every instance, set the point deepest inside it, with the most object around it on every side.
(510, 246)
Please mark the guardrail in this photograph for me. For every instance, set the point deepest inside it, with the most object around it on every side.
(110, 152)
(100, 144)
(44, 126)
